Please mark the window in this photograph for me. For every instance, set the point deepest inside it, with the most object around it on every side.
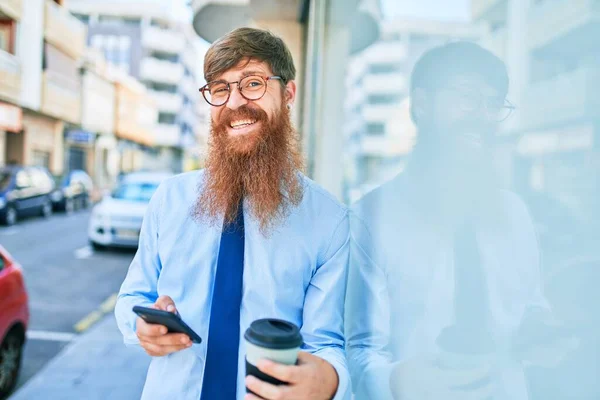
(383, 68)
(376, 129)
(162, 87)
(164, 118)
(164, 56)
(384, 99)
(2, 263)
(23, 179)
(138, 192)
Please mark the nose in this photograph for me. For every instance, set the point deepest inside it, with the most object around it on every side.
(236, 100)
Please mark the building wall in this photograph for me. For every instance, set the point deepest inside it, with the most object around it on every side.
(109, 36)
(43, 134)
(98, 104)
(30, 50)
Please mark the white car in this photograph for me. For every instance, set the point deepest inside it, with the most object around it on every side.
(117, 219)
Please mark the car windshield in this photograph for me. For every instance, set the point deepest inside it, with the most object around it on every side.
(138, 191)
(5, 178)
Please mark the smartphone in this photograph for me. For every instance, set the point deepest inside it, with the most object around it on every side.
(172, 321)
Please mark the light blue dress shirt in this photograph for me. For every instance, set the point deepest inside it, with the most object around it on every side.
(297, 273)
(401, 287)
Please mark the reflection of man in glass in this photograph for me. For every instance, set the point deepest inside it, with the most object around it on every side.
(444, 296)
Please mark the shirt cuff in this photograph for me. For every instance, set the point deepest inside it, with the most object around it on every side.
(336, 358)
(375, 382)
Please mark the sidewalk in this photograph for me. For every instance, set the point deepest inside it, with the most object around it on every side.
(96, 366)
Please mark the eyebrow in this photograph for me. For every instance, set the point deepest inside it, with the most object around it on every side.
(249, 73)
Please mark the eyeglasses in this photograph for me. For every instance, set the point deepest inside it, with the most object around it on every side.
(497, 109)
(253, 87)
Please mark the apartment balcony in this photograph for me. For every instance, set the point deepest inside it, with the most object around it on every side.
(13, 9)
(161, 71)
(167, 102)
(572, 96)
(496, 42)
(64, 31)
(565, 25)
(168, 135)
(163, 40)
(387, 83)
(61, 97)
(10, 77)
(381, 146)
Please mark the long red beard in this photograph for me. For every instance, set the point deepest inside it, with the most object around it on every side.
(262, 168)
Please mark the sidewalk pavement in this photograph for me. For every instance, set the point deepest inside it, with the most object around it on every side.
(96, 366)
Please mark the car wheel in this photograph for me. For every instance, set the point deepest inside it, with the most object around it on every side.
(69, 206)
(10, 217)
(47, 209)
(97, 246)
(11, 352)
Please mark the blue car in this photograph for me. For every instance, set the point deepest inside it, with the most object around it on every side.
(24, 191)
(72, 191)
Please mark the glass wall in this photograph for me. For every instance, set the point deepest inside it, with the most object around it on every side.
(464, 141)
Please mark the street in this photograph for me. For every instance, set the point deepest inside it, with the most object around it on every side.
(70, 287)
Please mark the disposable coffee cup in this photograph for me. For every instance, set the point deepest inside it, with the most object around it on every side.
(271, 339)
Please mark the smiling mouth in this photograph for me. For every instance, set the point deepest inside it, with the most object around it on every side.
(242, 123)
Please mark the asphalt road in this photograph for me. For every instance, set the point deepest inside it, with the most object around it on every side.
(70, 286)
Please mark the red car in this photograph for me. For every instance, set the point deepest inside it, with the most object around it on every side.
(14, 317)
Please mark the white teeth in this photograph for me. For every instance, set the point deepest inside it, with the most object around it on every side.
(242, 123)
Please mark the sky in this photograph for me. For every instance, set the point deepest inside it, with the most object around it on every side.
(442, 10)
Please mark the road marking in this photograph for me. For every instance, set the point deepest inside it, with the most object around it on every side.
(50, 336)
(109, 304)
(106, 307)
(84, 252)
(10, 231)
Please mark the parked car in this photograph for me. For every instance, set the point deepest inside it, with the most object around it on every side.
(14, 318)
(117, 219)
(24, 191)
(72, 191)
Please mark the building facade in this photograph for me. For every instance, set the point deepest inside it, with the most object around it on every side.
(379, 131)
(143, 40)
(551, 48)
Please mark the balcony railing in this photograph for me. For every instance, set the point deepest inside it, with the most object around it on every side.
(163, 40)
(167, 135)
(388, 83)
(161, 71)
(167, 102)
(63, 30)
(10, 77)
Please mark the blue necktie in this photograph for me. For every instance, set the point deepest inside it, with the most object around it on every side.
(221, 368)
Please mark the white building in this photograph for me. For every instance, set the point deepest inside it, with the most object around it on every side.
(379, 132)
(551, 49)
(147, 41)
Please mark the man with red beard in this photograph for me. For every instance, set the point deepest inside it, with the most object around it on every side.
(249, 237)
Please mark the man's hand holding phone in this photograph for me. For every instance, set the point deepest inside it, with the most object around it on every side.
(155, 338)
